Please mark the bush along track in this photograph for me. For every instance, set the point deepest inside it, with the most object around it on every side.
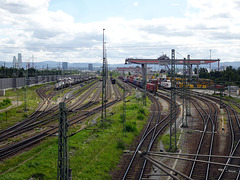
(5, 103)
(93, 152)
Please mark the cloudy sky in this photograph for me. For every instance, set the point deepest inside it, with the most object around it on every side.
(71, 30)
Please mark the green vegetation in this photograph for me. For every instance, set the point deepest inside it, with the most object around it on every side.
(20, 166)
(229, 77)
(93, 152)
(230, 103)
(236, 108)
(33, 100)
(6, 72)
(5, 103)
(166, 140)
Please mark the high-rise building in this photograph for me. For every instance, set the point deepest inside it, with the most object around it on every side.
(19, 60)
(15, 63)
(65, 65)
(90, 67)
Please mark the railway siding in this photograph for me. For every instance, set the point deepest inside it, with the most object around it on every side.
(81, 152)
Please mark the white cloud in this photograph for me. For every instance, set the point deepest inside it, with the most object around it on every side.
(136, 3)
(29, 27)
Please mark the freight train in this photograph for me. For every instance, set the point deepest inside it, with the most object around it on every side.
(68, 82)
(151, 86)
(112, 80)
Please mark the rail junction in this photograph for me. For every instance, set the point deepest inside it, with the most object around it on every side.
(207, 126)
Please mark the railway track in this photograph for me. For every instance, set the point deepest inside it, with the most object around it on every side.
(205, 145)
(38, 113)
(137, 167)
(45, 117)
(18, 147)
(78, 111)
(211, 137)
(232, 142)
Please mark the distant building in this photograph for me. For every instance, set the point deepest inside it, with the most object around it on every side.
(15, 63)
(65, 65)
(222, 68)
(90, 67)
(19, 60)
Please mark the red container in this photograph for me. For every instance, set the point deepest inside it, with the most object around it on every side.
(155, 82)
(219, 86)
(150, 87)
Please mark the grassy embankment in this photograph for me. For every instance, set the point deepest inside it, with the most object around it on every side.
(93, 153)
(14, 115)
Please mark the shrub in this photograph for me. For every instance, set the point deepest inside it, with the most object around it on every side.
(120, 144)
(131, 127)
(132, 107)
(141, 111)
(5, 103)
(140, 116)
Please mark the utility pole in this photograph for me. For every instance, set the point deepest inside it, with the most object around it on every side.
(103, 115)
(184, 93)
(188, 92)
(47, 74)
(106, 82)
(17, 74)
(63, 159)
(173, 126)
(62, 80)
(144, 70)
(124, 107)
(26, 75)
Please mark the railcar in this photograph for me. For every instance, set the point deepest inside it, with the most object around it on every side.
(233, 88)
(112, 80)
(166, 84)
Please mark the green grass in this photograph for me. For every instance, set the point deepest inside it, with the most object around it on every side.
(166, 141)
(231, 104)
(15, 114)
(93, 153)
(5, 103)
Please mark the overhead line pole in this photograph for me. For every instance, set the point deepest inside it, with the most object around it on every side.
(124, 107)
(188, 91)
(26, 78)
(184, 93)
(103, 82)
(63, 170)
(173, 126)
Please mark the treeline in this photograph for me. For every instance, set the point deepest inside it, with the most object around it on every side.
(230, 76)
(6, 72)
